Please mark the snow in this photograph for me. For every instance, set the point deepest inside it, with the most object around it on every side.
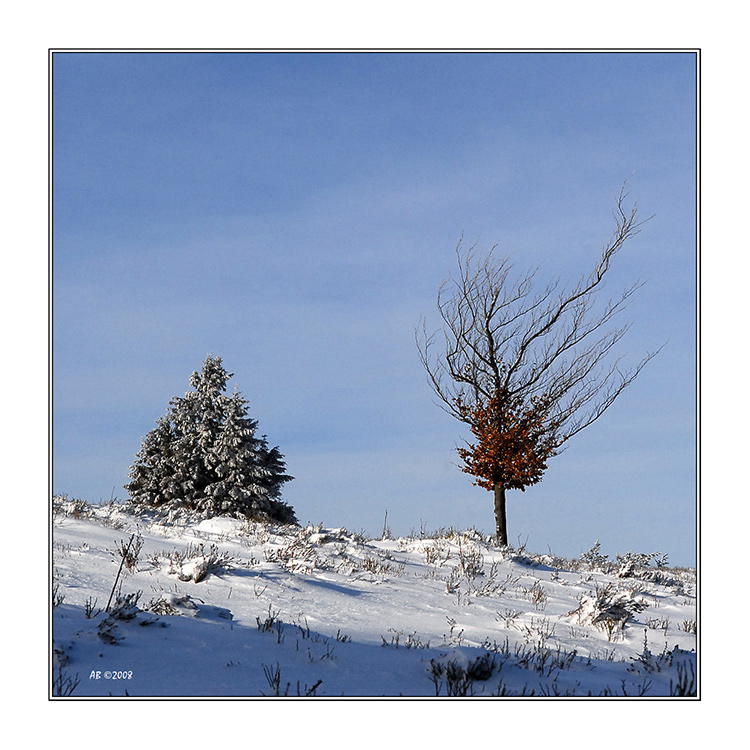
(224, 607)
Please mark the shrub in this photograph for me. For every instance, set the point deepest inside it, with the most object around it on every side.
(594, 559)
(609, 609)
(195, 563)
(63, 684)
(458, 680)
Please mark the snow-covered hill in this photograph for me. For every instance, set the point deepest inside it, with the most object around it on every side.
(223, 607)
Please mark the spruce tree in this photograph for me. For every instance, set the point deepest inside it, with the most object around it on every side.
(204, 455)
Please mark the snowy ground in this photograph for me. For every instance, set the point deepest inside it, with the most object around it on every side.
(224, 607)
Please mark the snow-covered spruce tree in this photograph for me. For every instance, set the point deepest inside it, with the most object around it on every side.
(204, 456)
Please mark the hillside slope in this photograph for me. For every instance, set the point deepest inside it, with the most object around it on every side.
(223, 607)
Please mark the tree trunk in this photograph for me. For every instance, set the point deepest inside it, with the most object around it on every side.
(501, 528)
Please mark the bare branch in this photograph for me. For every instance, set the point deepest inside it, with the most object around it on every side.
(502, 337)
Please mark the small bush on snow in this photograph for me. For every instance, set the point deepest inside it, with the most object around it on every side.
(195, 563)
(128, 552)
(125, 609)
(173, 604)
(609, 608)
(594, 559)
(72, 507)
(457, 679)
(63, 684)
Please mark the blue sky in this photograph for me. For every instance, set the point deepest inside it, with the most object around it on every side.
(295, 214)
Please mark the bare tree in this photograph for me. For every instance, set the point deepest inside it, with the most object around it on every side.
(523, 361)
